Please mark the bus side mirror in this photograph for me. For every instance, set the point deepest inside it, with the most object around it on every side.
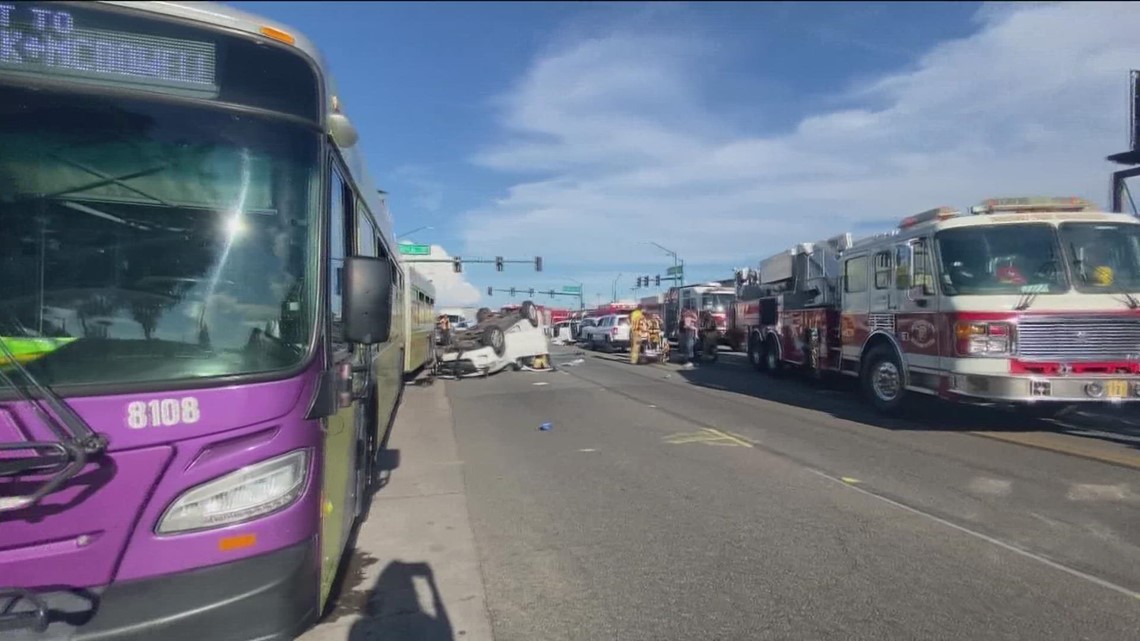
(367, 308)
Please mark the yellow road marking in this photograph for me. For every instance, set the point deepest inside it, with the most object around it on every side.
(848, 479)
(708, 436)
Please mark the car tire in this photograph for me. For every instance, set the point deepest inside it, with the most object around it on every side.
(530, 312)
(494, 338)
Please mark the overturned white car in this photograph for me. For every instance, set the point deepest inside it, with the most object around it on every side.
(497, 341)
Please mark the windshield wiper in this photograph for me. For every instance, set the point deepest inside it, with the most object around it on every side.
(1129, 299)
(63, 459)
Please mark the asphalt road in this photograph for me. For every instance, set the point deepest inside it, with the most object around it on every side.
(716, 504)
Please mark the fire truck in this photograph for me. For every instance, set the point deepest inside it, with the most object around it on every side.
(714, 297)
(1030, 302)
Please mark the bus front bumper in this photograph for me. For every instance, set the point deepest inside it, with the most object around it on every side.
(1033, 389)
(265, 598)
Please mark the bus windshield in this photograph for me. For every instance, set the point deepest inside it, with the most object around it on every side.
(1001, 259)
(1103, 257)
(146, 241)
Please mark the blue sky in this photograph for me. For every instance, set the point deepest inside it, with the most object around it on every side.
(725, 131)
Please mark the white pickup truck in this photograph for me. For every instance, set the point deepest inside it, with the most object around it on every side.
(609, 333)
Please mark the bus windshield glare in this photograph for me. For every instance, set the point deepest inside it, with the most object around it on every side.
(145, 241)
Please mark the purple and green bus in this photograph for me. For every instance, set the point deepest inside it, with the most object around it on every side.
(201, 324)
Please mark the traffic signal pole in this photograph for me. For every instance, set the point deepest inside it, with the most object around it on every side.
(457, 261)
(515, 291)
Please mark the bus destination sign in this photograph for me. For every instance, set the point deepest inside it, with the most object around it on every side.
(49, 41)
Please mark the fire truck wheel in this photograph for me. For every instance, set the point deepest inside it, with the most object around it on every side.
(756, 352)
(772, 363)
(883, 379)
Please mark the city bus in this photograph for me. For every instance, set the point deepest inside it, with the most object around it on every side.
(201, 324)
(419, 321)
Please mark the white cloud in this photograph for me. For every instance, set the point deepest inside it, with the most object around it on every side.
(426, 191)
(618, 141)
(451, 289)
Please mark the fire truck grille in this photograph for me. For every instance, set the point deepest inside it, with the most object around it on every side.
(1080, 339)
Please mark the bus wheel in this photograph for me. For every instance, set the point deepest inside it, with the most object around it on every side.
(883, 380)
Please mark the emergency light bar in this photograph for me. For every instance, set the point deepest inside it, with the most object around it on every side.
(938, 213)
(1032, 203)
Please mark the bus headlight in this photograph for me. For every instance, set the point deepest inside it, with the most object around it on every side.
(248, 493)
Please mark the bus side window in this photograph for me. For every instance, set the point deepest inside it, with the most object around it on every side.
(365, 236)
(340, 220)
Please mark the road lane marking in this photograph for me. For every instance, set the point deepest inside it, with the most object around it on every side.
(985, 537)
(849, 480)
(707, 436)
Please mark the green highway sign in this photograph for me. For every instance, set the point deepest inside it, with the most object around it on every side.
(409, 249)
(673, 271)
(572, 289)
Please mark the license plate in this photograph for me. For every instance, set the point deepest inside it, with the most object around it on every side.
(1116, 389)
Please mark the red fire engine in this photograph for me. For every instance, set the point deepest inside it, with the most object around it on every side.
(1023, 301)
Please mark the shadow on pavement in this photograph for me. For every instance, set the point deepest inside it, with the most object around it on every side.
(840, 397)
(395, 609)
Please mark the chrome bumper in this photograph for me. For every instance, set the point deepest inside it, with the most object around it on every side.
(1072, 389)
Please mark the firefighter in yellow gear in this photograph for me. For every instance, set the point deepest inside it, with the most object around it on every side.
(656, 337)
(636, 334)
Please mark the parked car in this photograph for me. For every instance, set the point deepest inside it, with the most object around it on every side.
(582, 335)
(611, 332)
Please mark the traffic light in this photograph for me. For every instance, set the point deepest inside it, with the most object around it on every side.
(538, 263)
(498, 263)
(490, 292)
(646, 281)
(512, 291)
(657, 281)
(457, 264)
(532, 291)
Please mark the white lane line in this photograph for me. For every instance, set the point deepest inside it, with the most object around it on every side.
(989, 539)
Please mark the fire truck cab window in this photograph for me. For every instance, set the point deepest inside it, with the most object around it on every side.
(923, 277)
(855, 275)
(1001, 259)
(1103, 257)
(883, 270)
(902, 269)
